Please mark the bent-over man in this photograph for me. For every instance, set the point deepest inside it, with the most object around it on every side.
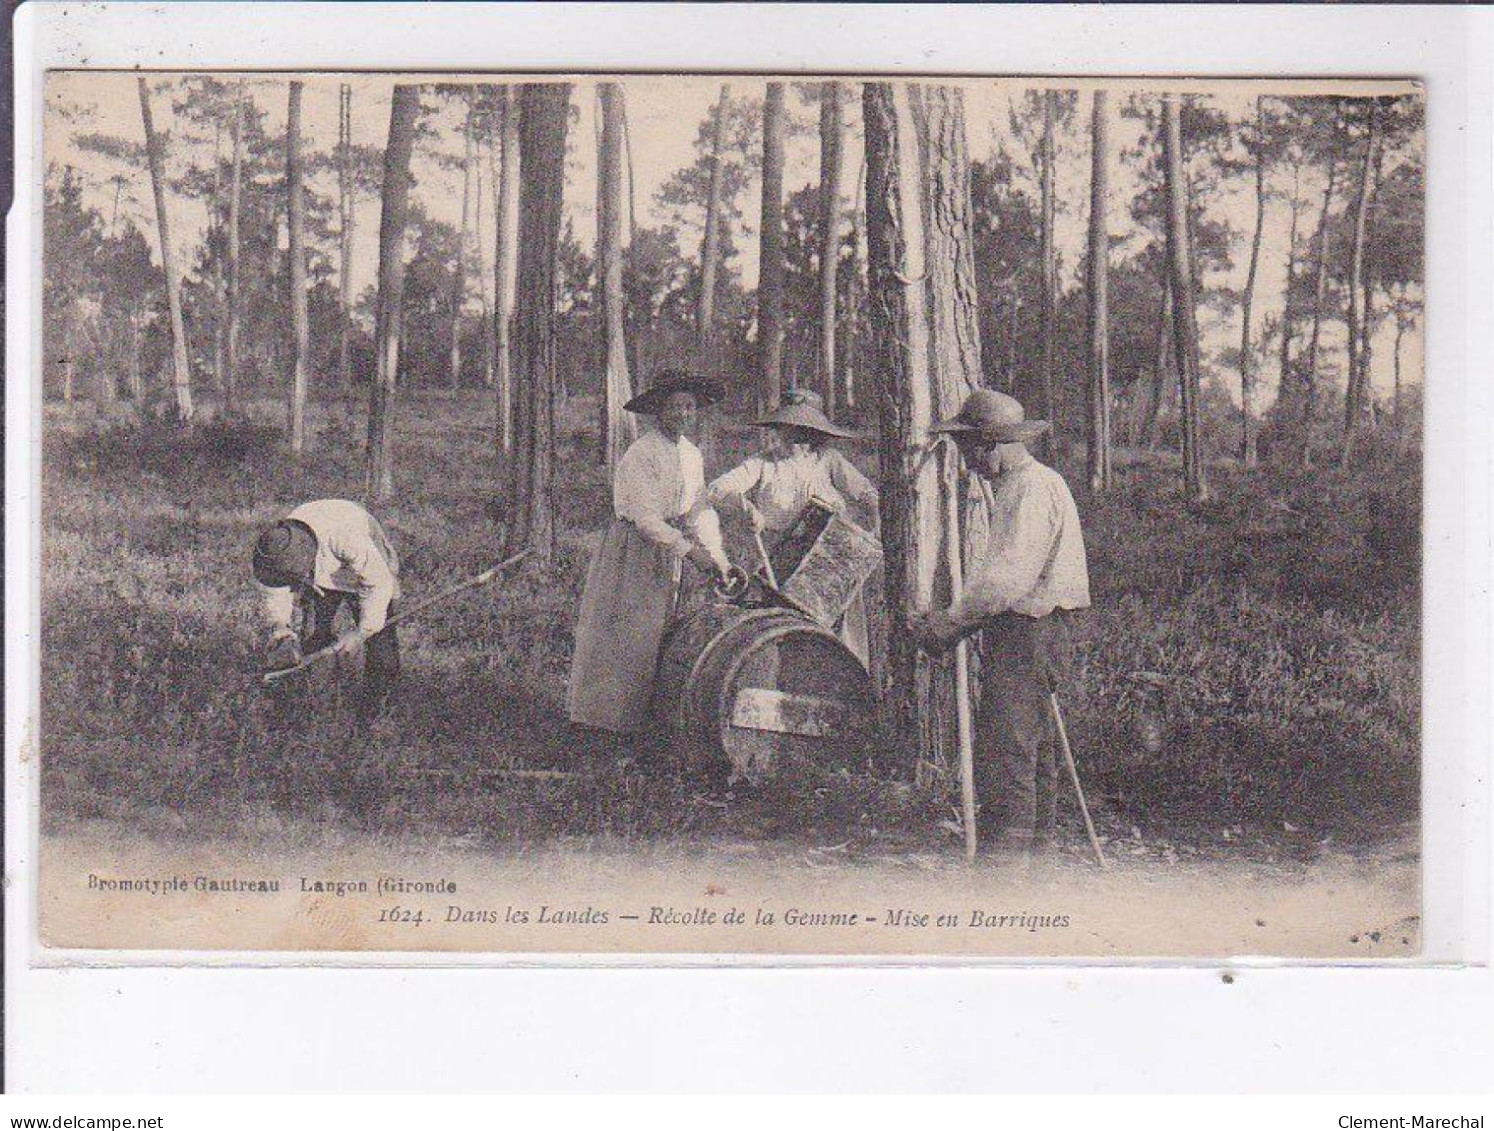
(320, 557)
(1021, 589)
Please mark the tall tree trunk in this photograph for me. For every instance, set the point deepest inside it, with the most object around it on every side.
(1150, 433)
(295, 212)
(831, 164)
(1247, 359)
(1048, 313)
(181, 379)
(459, 274)
(1354, 397)
(955, 351)
(618, 427)
(485, 324)
(69, 366)
(850, 341)
(1284, 384)
(346, 203)
(705, 311)
(1319, 302)
(219, 299)
(1367, 319)
(394, 211)
(133, 369)
(770, 322)
(954, 319)
(231, 315)
(506, 202)
(1398, 418)
(1184, 327)
(1097, 461)
(542, 127)
(912, 521)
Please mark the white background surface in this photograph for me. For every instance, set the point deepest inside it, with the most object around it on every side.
(1053, 1028)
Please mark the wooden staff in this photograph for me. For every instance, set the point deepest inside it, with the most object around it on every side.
(1068, 757)
(474, 582)
(964, 724)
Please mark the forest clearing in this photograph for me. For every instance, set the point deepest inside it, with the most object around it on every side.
(1249, 665)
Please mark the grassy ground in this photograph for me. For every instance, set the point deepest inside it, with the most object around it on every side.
(1250, 671)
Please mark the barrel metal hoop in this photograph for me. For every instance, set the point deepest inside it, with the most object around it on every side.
(795, 624)
(707, 650)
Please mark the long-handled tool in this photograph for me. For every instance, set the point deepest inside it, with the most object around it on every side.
(762, 553)
(1068, 758)
(476, 581)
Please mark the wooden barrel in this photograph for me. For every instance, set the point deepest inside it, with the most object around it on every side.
(763, 691)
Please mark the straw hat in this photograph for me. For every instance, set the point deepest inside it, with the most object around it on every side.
(995, 417)
(804, 409)
(669, 382)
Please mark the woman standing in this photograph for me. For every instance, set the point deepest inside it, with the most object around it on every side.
(771, 491)
(660, 518)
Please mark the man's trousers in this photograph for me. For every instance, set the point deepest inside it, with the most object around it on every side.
(380, 651)
(1023, 660)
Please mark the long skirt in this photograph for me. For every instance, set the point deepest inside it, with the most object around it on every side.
(628, 605)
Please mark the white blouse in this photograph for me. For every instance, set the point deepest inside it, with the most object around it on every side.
(659, 487)
(781, 487)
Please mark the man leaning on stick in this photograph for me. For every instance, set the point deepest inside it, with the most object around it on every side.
(1020, 592)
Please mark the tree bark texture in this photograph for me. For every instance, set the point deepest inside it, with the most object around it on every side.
(770, 320)
(1184, 326)
(542, 128)
(394, 212)
(705, 310)
(506, 201)
(1285, 385)
(1150, 433)
(1048, 313)
(1355, 400)
(459, 273)
(1319, 303)
(295, 211)
(181, 378)
(1097, 459)
(911, 515)
(345, 209)
(849, 340)
(955, 353)
(619, 428)
(1247, 358)
(832, 161)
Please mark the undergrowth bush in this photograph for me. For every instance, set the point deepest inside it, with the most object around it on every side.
(1250, 659)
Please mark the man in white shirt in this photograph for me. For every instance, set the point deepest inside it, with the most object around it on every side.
(324, 555)
(1020, 592)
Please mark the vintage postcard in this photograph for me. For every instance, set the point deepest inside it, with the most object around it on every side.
(691, 514)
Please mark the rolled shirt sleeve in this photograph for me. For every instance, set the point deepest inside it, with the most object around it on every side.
(730, 490)
(848, 480)
(279, 605)
(1023, 528)
(705, 524)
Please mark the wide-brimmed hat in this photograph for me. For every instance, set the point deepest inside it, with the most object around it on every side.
(669, 382)
(804, 409)
(285, 554)
(993, 416)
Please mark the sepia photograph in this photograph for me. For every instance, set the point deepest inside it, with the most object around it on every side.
(730, 514)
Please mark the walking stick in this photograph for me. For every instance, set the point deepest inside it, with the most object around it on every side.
(1068, 758)
(964, 725)
(477, 581)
